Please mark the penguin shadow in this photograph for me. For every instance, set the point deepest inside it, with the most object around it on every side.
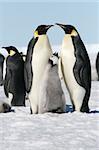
(93, 111)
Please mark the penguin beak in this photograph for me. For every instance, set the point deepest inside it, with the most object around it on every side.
(61, 25)
(49, 26)
(7, 49)
(3, 47)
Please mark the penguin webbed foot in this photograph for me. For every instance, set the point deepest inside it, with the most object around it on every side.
(84, 109)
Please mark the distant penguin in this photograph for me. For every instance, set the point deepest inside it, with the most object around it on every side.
(51, 97)
(38, 54)
(76, 68)
(2, 58)
(97, 65)
(4, 107)
(14, 78)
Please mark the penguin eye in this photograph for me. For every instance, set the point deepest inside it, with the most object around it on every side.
(70, 31)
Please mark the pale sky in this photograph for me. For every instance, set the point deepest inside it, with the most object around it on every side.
(19, 19)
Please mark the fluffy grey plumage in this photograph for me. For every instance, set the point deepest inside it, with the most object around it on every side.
(51, 97)
(4, 107)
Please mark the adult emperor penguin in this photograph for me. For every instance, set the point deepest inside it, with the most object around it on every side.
(51, 96)
(97, 64)
(2, 58)
(76, 68)
(38, 54)
(14, 78)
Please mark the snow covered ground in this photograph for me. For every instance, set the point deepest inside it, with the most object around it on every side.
(70, 131)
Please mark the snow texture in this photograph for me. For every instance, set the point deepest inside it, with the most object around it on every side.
(69, 131)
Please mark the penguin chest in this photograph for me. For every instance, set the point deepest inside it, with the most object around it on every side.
(68, 62)
(39, 62)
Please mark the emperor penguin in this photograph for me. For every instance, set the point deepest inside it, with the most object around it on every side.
(76, 68)
(14, 84)
(97, 65)
(2, 58)
(38, 54)
(51, 96)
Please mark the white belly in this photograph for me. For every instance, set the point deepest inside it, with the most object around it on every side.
(77, 92)
(40, 58)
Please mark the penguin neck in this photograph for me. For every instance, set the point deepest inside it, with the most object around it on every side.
(43, 41)
(67, 42)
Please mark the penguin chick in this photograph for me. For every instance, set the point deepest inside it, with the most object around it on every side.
(51, 97)
(4, 107)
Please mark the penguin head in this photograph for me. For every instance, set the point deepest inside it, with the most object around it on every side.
(11, 50)
(68, 29)
(53, 60)
(42, 29)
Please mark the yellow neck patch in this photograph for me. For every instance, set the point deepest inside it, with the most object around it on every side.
(36, 34)
(11, 53)
(74, 33)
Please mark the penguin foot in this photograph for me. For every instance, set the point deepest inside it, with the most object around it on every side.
(85, 109)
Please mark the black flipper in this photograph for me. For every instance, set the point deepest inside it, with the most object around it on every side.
(82, 70)
(97, 65)
(7, 82)
(28, 73)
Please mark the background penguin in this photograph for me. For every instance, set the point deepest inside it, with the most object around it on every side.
(4, 107)
(51, 97)
(2, 58)
(23, 56)
(14, 78)
(38, 54)
(76, 68)
(97, 64)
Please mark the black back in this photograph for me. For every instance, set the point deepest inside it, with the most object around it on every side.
(28, 73)
(14, 79)
(97, 64)
(2, 58)
(82, 69)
